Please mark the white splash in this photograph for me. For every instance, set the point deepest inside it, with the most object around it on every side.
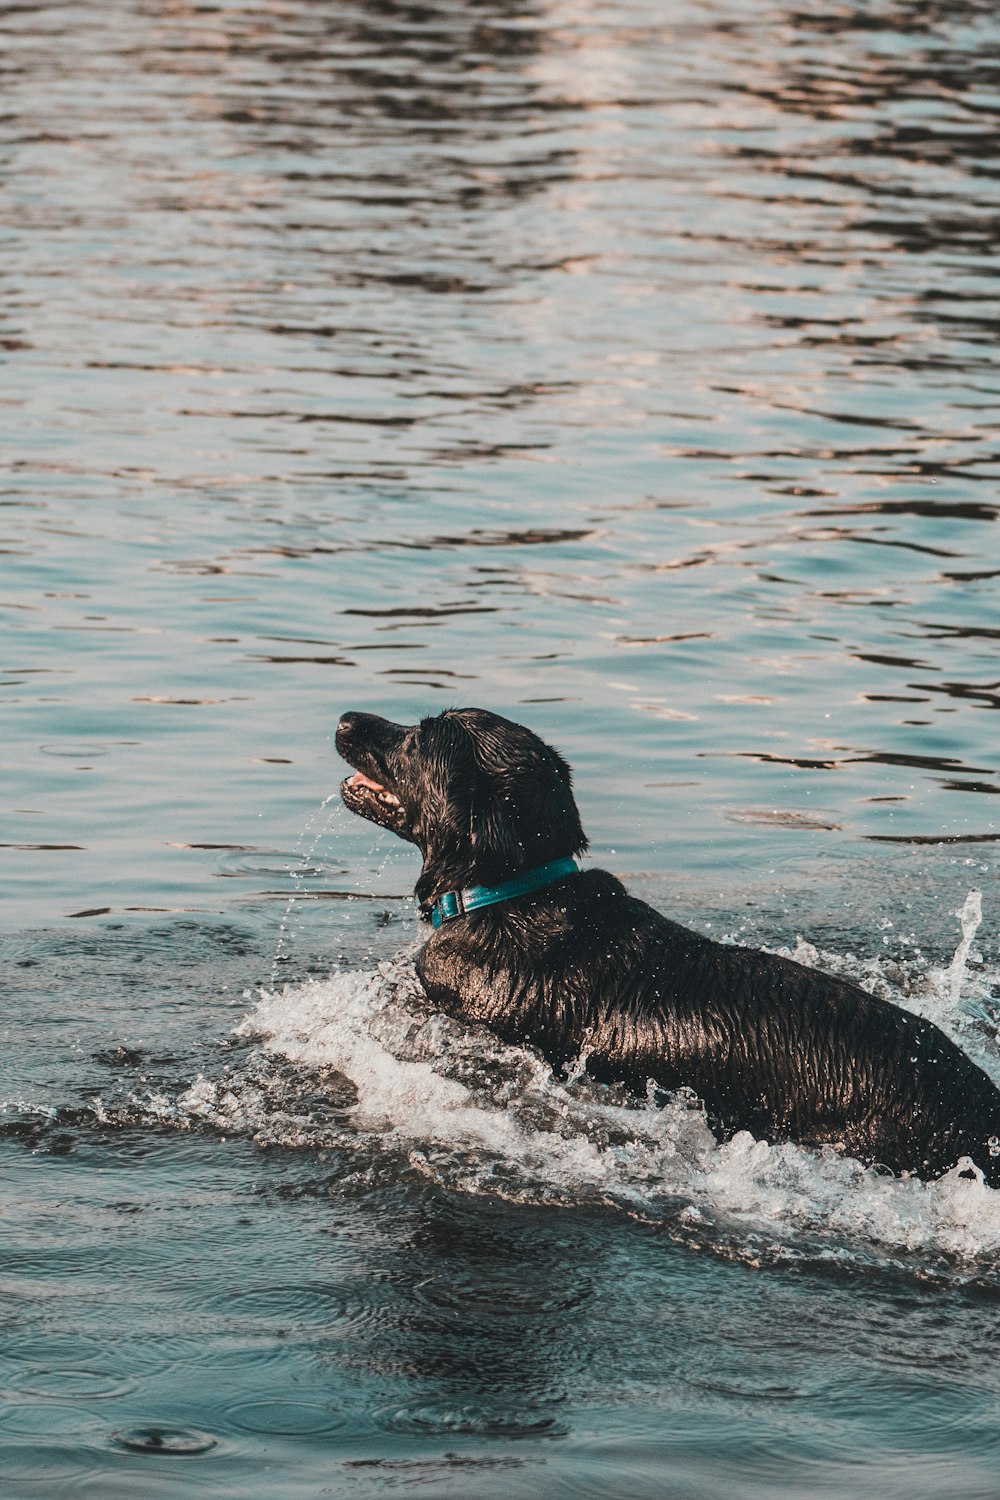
(961, 998)
(951, 980)
(458, 1104)
(359, 1062)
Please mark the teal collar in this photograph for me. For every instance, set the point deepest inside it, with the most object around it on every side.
(456, 903)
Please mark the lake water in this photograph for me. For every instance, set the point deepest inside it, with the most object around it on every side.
(630, 369)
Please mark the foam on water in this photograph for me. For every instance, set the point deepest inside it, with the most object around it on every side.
(358, 1062)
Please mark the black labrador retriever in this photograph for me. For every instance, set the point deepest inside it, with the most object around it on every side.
(568, 962)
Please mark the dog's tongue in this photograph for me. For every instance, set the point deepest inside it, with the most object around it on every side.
(360, 779)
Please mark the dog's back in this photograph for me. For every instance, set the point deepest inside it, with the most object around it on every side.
(770, 1046)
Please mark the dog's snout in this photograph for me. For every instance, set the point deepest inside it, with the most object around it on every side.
(359, 731)
(347, 727)
(350, 734)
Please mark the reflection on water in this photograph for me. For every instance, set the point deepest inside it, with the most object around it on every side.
(634, 372)
(637, 365)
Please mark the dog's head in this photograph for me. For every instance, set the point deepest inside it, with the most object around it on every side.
(482, 798)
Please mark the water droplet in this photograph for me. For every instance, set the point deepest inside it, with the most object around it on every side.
(175, 1441)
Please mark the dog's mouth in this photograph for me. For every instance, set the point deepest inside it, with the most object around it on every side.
(370, 746)
(360, 782)
(363, 795)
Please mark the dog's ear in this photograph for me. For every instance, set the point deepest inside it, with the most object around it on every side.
(494, 834)
(522, 812)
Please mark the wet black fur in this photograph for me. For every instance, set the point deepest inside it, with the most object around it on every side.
(771, 1047)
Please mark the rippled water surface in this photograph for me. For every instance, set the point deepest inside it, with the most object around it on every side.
(630, 369)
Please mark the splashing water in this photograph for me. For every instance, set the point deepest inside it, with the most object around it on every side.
(304, 864)
(357, 1062)
(298, 873)
(951, 980)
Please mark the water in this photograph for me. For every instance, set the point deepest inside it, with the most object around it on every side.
(630, 369)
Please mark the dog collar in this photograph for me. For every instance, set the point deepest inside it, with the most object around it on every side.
(456, 903)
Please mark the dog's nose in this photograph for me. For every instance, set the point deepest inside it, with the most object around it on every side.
(346, 729)
(368, 732)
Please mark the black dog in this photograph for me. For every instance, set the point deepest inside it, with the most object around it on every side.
(569, 962)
